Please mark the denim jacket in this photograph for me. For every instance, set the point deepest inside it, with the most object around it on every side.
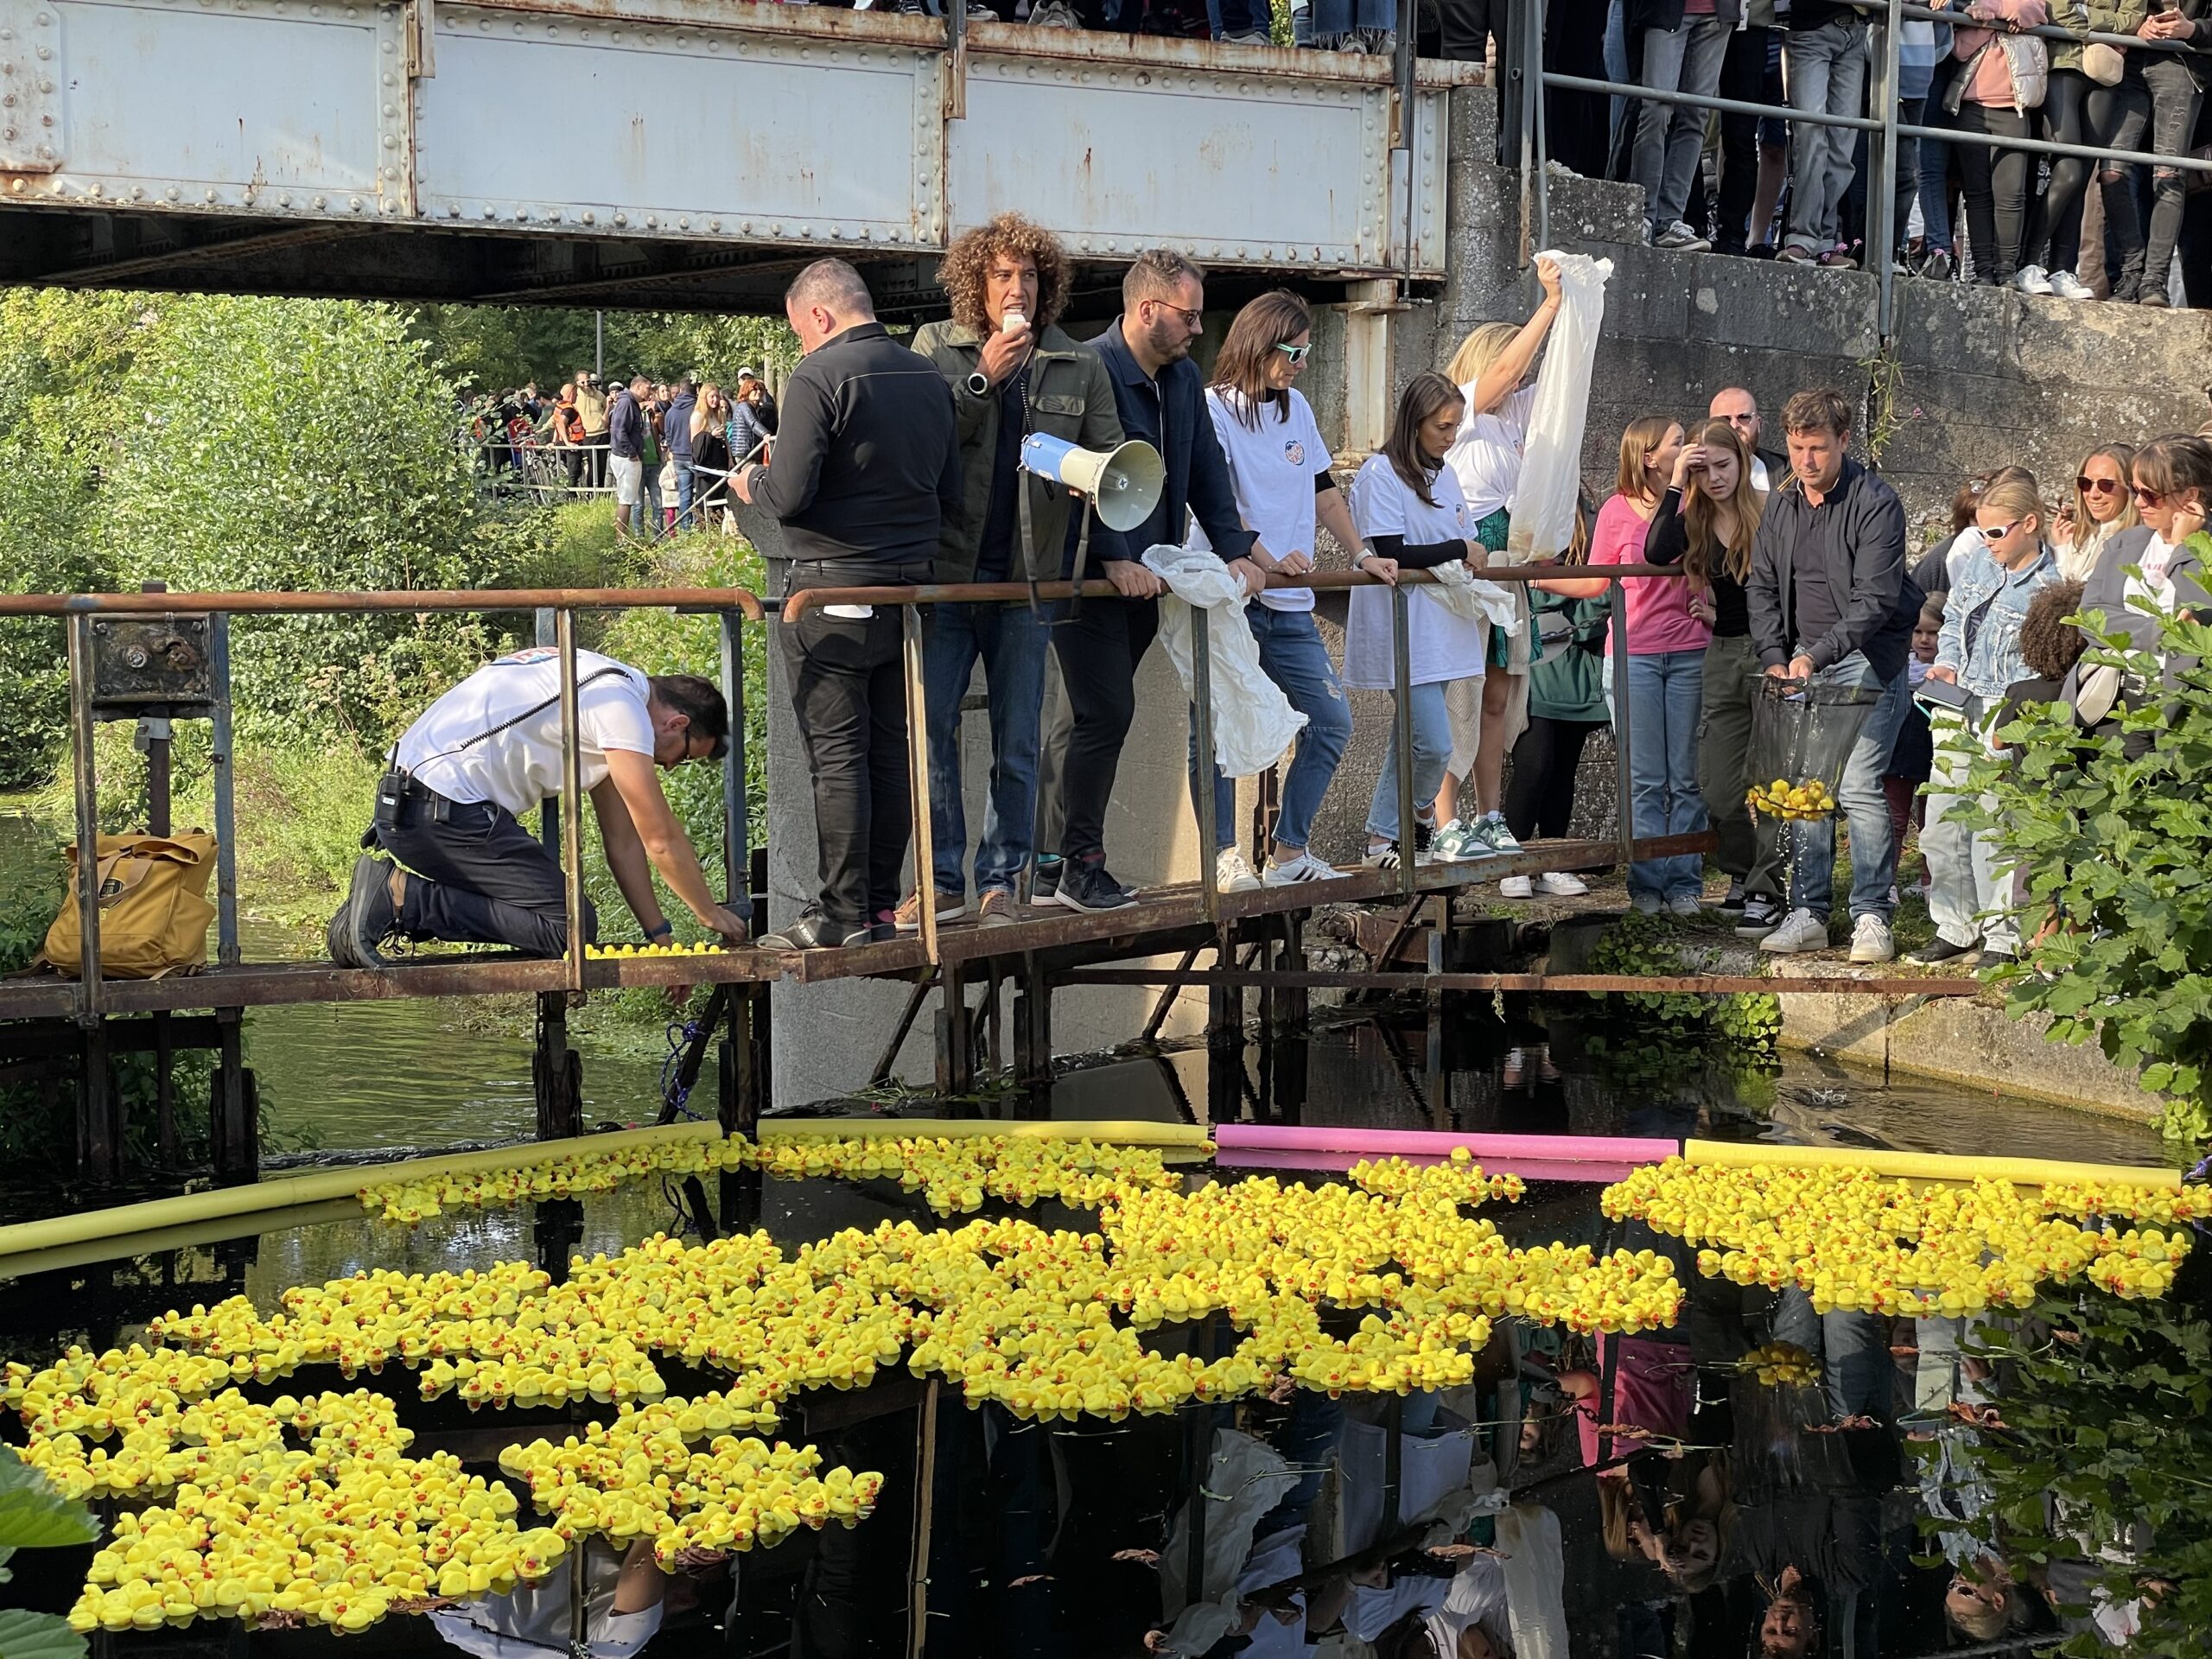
(1981, 621)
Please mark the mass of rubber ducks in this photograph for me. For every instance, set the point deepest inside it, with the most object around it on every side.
(310, 1506)
(1850, 1239)
(624, 952)
(1794, 802)
(953, 1176)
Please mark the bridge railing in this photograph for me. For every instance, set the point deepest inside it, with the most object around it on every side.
(85, 614)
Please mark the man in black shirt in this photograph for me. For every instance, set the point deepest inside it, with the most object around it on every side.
(866, 475)
(1830, 604)
(1012, 371)
(1160, 398)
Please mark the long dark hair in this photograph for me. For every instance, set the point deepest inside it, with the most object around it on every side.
(1428, 392)
(1273, 319)
(1702, 514)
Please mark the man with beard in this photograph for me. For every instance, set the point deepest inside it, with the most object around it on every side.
(1159, 395)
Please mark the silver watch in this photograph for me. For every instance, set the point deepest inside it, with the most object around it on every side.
(979, 384)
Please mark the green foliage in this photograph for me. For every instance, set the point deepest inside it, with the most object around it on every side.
(490, 348)
(2108, 1420)
(2118, 851)
(33, 1516)
(299, 445)
(33, 882)
(1660, 1038)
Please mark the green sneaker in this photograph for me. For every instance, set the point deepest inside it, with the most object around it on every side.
(1456, 843)
(1494, 837)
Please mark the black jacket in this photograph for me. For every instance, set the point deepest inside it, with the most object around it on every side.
(678, 424)
(867, 468)
(1170, 414)
(1858, 534)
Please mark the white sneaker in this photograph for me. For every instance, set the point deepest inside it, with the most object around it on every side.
(1800, 931)
(1233, 872)
(2032, 279)
(1687, 905)
(1681, 238)
(1515, 886)
(1558, 884)
(2066, 286)
(1304, 868)
(1871, 940)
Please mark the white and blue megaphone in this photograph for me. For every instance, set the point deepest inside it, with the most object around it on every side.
(1123, 484)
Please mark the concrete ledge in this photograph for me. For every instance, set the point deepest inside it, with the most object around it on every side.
(1968, 1042)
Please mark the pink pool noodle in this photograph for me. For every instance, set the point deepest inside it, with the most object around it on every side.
(1528, 1169)
(1490, 1151)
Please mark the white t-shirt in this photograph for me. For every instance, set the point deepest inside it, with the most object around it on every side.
(1273, 468)
(521, 766)
(1485, 455)
(532, 1621)
(1439, 646)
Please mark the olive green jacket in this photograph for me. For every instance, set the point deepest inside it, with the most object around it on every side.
(2100, 17)
(1070, 396)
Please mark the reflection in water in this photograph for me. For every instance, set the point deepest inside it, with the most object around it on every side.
(1645, 1496)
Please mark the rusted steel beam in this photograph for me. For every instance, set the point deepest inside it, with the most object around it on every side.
(1709, 984)
(976, 592)
(438, 599)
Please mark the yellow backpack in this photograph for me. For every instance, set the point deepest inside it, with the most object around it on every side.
(153, 908)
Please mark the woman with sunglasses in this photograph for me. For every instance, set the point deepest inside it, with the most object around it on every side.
(1279, 468)
(2103, 506)
(1969, 892)
(2172, 489)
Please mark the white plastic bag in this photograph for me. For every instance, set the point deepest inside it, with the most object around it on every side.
(1551, 465)
(1245, 1478)
(1432, 1479)
(1467, 595)
(1253, 722)
(1535, 1581)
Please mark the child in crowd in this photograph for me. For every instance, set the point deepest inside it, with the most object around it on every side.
(1912, 756)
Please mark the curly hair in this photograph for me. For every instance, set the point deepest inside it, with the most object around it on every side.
(2048, 644)
(968, 261)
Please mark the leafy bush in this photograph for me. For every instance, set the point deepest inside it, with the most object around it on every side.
(2118, 855)
(285, 444)
(33, 1516)
(33, 883)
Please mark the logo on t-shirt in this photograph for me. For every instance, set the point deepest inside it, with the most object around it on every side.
(529, 654)
(1294, 452)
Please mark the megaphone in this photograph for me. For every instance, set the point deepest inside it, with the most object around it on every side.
(1124, 485)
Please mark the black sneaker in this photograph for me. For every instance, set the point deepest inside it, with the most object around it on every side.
(365, 921)
(1085, 885)
(1938, 949)
(1424, 840)
(1989, 959)
(1762, 915)
(1045, 883)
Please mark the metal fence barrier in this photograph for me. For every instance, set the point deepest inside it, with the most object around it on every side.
(1882, 130)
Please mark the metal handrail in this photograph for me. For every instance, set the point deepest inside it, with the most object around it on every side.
(1883, 130)
(428, 598)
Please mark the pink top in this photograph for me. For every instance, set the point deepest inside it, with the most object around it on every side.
(1991, 85)
(1651, 1391)
(1659, 617)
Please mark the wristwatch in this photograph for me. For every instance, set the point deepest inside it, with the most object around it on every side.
(979, 384)
(666, 930)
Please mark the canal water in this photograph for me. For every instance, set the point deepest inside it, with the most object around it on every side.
(1039, 1537)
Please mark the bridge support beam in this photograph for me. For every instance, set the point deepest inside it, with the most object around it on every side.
(557, 1072)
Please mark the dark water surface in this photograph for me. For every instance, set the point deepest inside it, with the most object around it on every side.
(1025, 1521)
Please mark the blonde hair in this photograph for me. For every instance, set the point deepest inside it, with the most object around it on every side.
(2087, 529)
(1479, 350)
(2015, 493)
(1642, 437)
(1702, 514)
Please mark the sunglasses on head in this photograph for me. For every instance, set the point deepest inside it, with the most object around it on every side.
(1295, 353)
(2098, 486)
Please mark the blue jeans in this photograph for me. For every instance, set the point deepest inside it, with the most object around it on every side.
(1827, 74)
(1665, 690)
(1227, 18)
(1853, 1349)
(1432, 748)
(1292, 656)
(1865, 807)
(1333, 19)
(1011, 644)
(686, 485)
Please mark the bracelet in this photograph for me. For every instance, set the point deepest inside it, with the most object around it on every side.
(665, 930)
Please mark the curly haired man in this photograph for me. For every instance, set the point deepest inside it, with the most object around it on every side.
(1012, 371)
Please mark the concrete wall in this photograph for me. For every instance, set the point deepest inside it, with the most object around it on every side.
(1981, 379)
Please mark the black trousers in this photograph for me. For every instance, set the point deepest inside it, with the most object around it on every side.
(1540, 795)
(480, 878)
(1743, 77)
(848, 692)
(1098, 655)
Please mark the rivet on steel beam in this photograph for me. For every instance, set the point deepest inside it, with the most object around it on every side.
(452, 210)
(621, 218)
(652, 221)
(209, 198)
(172, 194)
(94, 191)
(714, 225)
(317, 204)
(384, 46)
(16, 187)
(355, 202)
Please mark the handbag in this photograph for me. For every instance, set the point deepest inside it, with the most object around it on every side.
(2105, 65)
(153, 906)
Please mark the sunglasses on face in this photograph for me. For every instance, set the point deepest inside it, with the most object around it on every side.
(1189, 316)
(2098, 486)
(2148, 497)
(1295, 353)
(2005, 534)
